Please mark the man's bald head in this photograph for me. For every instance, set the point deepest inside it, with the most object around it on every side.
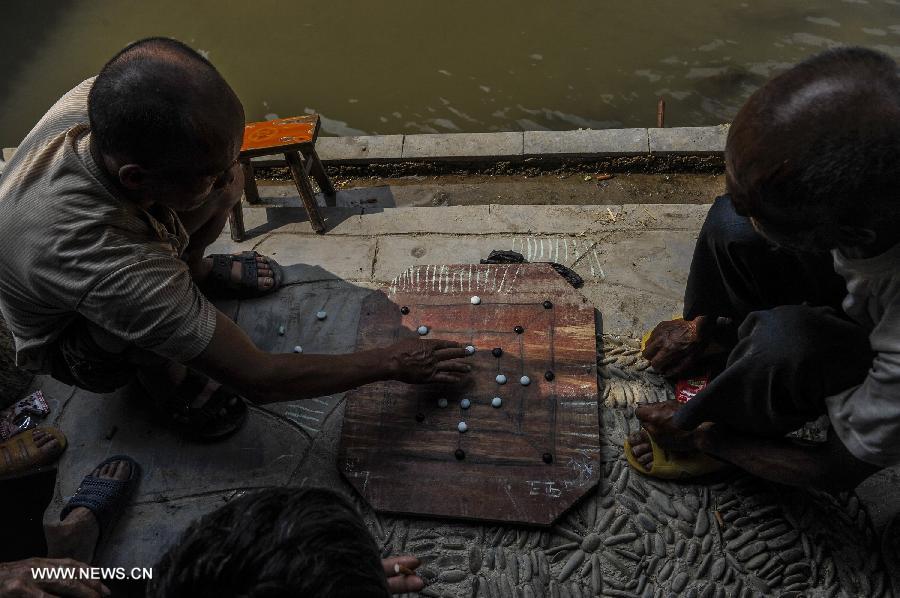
(159, 103)
(820, 143)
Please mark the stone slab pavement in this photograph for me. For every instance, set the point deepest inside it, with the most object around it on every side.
(733, 536)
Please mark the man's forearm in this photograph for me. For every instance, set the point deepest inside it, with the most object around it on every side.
(291, 377)
(232, 359)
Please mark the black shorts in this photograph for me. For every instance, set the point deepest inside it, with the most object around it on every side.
(81, 358)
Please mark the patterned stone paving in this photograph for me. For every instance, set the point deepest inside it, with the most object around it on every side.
(638, 537)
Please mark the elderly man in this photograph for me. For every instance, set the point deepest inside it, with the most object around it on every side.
(790, 331)
(105, 213)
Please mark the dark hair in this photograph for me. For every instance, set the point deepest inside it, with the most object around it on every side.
(158, 102)
(820, 143)
(275, 543)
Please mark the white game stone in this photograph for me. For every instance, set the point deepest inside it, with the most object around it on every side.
(422, 330)
(501, 379)
(496, 402)
(321, 315)
(442, 403)
(476, 300)
(465, 403)
(470, 350)
(462, 427)
(298, 349)
(525, 380)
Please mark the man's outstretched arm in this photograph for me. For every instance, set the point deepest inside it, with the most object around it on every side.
(232, 359)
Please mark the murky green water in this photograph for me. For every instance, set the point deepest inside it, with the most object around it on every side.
(409, 66)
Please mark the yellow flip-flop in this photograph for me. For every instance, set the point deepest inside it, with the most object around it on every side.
(669, 465)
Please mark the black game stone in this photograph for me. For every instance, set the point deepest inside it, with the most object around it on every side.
(548, 375)
(519, 329)
(459, 454)
(548, 304)
(548, 458)
(404, 310)
(497, 352)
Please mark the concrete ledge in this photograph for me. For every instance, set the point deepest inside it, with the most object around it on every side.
(355, 150)
(509, 146)
(688, 140)
(581, 143)
(464, 146)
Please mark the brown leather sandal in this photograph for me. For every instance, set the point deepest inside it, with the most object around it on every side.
(20, 455)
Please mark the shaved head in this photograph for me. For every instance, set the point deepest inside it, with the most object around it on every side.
(820, 143)
(159, 103)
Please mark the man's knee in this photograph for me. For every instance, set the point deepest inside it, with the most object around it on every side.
(224, 200)
(725, 229)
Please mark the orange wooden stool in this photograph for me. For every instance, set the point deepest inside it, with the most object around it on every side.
(296, 139)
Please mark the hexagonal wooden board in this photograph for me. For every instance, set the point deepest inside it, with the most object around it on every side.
(398, 446)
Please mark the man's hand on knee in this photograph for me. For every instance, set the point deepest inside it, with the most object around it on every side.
(678, 347)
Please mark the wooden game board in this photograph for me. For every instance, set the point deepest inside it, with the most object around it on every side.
(524, 462)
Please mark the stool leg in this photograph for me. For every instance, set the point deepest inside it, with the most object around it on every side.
(250, 190)
(304, 187)
(236, 222)
(318, 172)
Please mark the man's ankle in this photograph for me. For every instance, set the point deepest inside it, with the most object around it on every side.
(79, 516)
(706, 437)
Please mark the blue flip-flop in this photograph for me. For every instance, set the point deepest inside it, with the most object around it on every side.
(104, 497)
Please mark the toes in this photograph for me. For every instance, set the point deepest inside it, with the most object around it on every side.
(646, 461)
(117, 470)
(639, 450)
(43, 441)
(638, 437)
(121, 470)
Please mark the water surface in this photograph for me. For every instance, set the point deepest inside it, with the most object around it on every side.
(426, 66)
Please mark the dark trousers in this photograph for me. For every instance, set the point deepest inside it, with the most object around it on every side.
(794, 345)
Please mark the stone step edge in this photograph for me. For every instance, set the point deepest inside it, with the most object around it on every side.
(512, 146)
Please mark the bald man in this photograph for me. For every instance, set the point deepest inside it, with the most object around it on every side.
(106, 211)
(793, 298)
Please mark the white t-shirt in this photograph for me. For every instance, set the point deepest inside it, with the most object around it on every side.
(867, 417)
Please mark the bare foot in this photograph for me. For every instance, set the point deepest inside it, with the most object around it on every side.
(76, 536)
(264, 274)
(656, 421)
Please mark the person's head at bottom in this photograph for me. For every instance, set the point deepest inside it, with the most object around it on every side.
(276, 543)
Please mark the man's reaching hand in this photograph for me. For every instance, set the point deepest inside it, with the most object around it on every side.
(418, 361)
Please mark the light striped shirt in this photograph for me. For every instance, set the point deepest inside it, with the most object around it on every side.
(71, 245)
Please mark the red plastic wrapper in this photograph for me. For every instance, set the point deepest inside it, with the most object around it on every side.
(687, 388)
(23, 415)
